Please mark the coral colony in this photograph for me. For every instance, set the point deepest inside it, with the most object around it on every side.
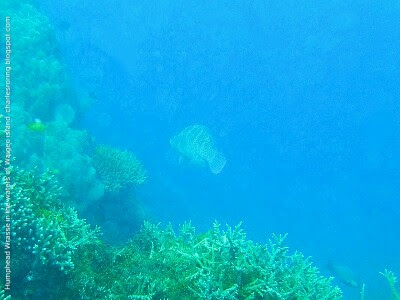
(55, 254)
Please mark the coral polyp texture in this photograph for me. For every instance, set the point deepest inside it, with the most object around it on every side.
(118, 168)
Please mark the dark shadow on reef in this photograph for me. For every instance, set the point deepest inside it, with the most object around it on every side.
(119, 216)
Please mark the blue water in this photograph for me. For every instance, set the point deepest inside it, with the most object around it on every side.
(302, 98)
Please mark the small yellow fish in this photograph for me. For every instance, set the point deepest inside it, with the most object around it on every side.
(37, 126)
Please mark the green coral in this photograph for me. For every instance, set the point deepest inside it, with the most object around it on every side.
(76, 171)
(118, 168)
(40, 79)
(33, 232)
(42, 88)
(46, 236)
(362, 292)
(3, 295)
(49, 238)
(392, 279)
(220, 264)
(53, 247)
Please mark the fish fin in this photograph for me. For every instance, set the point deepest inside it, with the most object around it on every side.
(217, 163)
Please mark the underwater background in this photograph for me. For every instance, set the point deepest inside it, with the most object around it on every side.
(299, 102)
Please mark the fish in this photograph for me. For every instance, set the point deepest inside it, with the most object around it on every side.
(343, 274)
(37, 126)
(197, 144)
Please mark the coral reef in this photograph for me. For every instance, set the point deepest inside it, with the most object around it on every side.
(40, 80)
(118, 168)
(57, 255)
(45, 105)
(46, 236)
(46, 111)
(75, 170)
(392, 279)
(160, 264)
(54, 248)
(219, 264)
(3, 296)
(362, 292)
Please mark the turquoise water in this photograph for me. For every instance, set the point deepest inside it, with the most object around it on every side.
(296, 119)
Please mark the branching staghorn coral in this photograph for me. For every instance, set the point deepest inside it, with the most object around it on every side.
(392, 279)
(362, 292)
(222, 264)
(31, 230)
(118, 168)
(3, 296)
(46, 236)
(156, 264)
(142, 287)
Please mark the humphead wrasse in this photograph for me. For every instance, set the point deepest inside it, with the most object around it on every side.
(197, 144)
